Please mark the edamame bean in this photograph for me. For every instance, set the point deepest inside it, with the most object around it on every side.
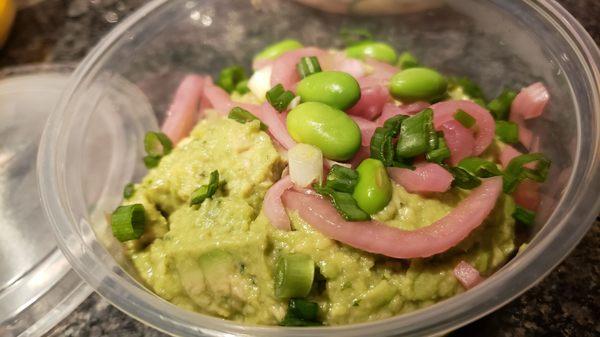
(376, 50)
(327, 128)
(418, 84)
(278, 48)
(374, 189)
(334, 88)
(407, 60)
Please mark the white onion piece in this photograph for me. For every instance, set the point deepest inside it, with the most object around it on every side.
(306, 164)
(294, 103)
(260, 82)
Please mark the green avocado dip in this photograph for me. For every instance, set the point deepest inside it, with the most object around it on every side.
(219, 258)
(333, 197)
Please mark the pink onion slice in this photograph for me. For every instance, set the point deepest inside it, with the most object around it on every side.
(378, 238)
(363, 153)
(525, 135)
(220, 100)
(390, 110)
(338, 61)
(367, 129)
(217, 98)
(382, 71)
(276, 123)
(284, 67)
(530, 101)
(508, 153)
(527, 194)
(467, 275)
(371, 102)
(261, 63)
(486, 127)
(425, 178)
(273, 206)
(185, 109)
(459, 140)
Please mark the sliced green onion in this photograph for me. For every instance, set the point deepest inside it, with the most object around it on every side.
(441, 152)
(516, 170)
(353, 36)
(382, 146)
(206, 191)
(524, 215)
(341, 179)
(157, 144)
(230, 77)
(382, 141)
(480, 167)
(151, 161)
(500, 106)
(394, 124)
(407, 60)
(244, 116)
(308, 65)
(480, 102)
(128, 190)
(294, 274)
(403, 163)
(468, 86)
(464, 118)
(417, 135)
(507, 132)
(301, 313)
(464, 179)
(344, 203)
(128, 222)
(242, 87)
(279, 98)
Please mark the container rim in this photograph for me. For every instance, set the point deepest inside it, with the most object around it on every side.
(514, 279)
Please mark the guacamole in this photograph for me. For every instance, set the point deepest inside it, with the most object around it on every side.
(218, 258)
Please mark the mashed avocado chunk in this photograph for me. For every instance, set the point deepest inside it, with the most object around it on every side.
(219, 258)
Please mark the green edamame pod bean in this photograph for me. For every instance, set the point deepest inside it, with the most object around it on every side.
(334, 88)
(407, 60)
(374, 189)
(327, 128)
(376, 50)
(418, 84)
(278, 48)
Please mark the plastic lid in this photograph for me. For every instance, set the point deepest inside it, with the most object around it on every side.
(38, 288)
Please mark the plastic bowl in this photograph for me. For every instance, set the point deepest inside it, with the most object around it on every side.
(92, 143)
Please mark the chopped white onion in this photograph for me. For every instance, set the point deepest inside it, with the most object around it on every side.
(329, 163)
(294, 103)
(305, 164)
(260, 82)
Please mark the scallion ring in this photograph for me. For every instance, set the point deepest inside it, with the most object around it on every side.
(279, 98)
(244, 116)
(205, 191)
(307, 66)
(128, 222)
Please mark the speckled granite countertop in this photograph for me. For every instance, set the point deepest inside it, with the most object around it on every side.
(566, 303)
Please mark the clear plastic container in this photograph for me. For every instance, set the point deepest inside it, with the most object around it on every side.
(92, 145)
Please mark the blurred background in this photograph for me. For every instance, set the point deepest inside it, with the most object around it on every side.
(62, 31)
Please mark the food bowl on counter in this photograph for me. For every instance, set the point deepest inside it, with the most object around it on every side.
(86, 157)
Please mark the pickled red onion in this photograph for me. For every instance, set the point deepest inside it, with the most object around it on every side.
(485, 127)
(378, 238)
(425, 178)
(467, 275)
(185, 109)
(273, 206)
